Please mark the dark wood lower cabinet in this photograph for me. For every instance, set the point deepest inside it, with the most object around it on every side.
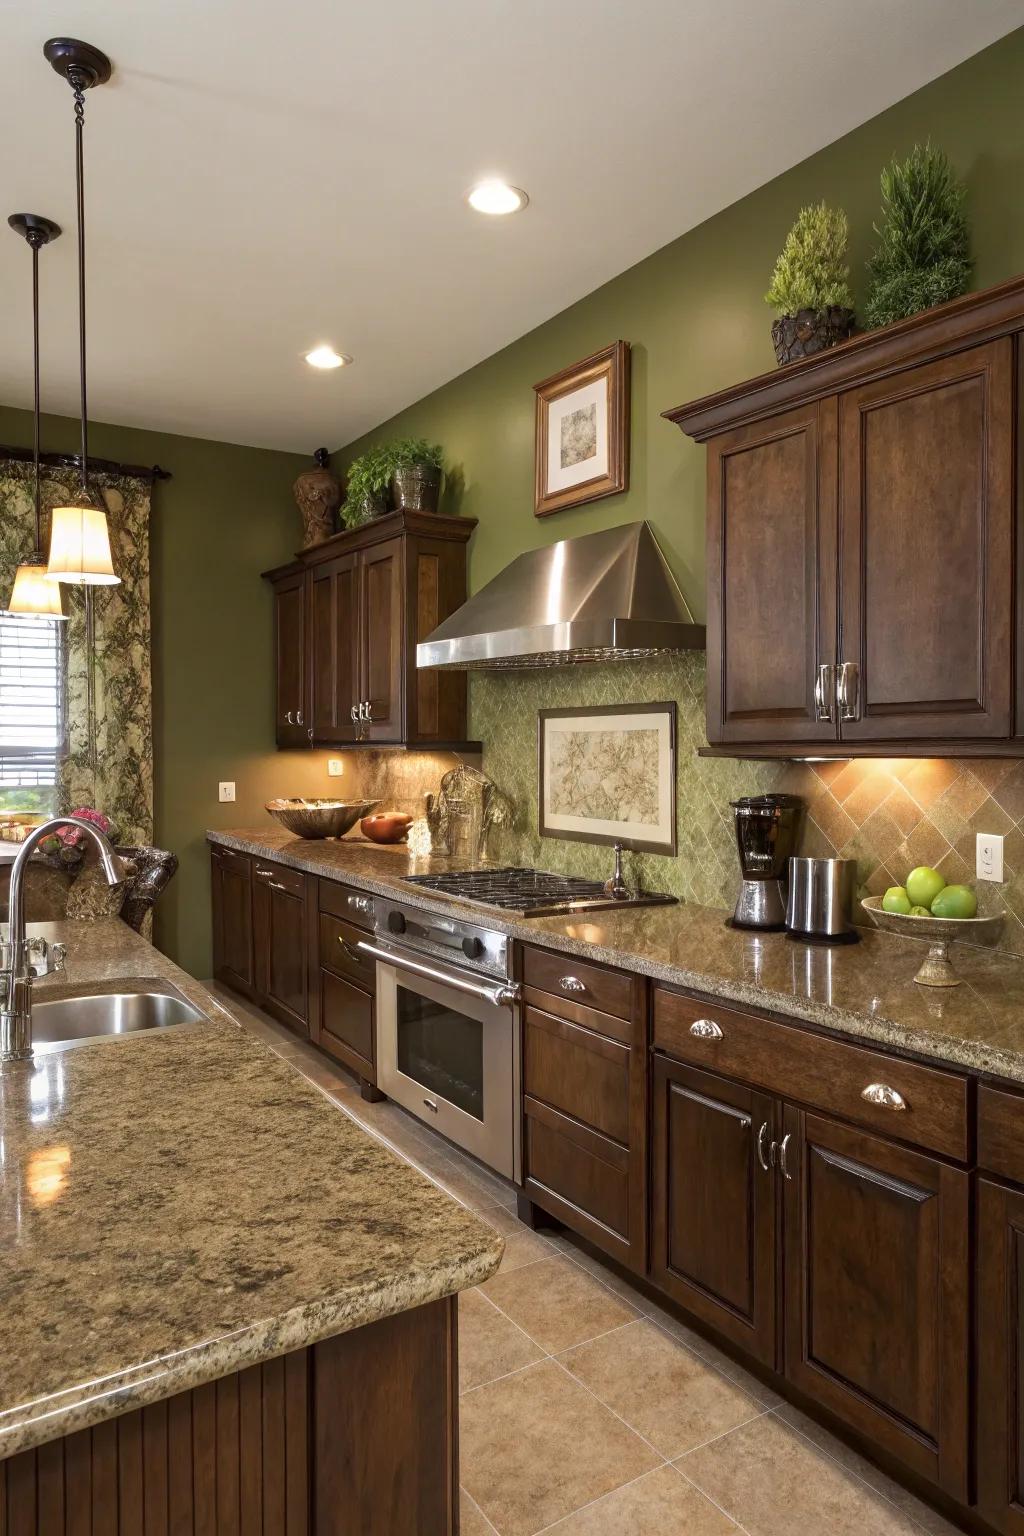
(877, 1288)
(713, 1219)
(281, 943)
(1000, 1411)
(356, 1434)
(231, 893)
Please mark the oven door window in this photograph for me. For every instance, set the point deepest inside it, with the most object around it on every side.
(442, 1049)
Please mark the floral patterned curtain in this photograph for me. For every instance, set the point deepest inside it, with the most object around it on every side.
(117, 777)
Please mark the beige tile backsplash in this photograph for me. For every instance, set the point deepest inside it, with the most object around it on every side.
(888, 814)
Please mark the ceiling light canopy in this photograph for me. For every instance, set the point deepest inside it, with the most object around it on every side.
(496, 197)
(326, 357)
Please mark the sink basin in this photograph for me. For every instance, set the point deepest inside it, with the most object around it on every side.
(70, 1021)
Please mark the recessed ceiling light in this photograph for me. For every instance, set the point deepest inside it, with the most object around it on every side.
(496, 197)
(326, 357)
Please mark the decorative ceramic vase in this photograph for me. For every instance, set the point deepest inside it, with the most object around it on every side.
(318, 495)
(416, 487)
(810, 331)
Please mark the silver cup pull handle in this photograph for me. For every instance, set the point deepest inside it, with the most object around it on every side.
(705, 1029)
(571, 984)
(883, 1096)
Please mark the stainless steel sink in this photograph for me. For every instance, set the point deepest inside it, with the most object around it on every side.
(70, 1021)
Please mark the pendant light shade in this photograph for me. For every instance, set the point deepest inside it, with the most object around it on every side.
(32, 595)
(80, 548)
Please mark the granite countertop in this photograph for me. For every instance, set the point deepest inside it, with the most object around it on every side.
(864, 990)
(179, 1204)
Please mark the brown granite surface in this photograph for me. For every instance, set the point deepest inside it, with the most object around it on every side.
(866, 990)
(179, 1204)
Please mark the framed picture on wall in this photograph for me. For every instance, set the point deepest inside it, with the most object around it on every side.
(608, 775)
(582, 434)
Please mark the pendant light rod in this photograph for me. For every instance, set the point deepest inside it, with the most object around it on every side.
(83, 67)
(37, 231)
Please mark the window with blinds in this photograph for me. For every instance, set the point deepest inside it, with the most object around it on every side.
(31, 710)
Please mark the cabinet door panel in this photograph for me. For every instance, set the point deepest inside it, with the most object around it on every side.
(281, 944)
(231, 891)
(1000, 1292)
(771, 559)
(714, 1219)
(876, 1291)
(382, 630)
(291, 722)
(927, 541)
(334, 617)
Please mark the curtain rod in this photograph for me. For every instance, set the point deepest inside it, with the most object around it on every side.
(73, 461)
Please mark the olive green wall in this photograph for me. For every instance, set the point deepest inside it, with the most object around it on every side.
(226, 515)
(697, 322)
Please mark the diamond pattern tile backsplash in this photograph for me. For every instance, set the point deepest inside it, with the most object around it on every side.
(889, 814)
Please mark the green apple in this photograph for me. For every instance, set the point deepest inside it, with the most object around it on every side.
(923, 885)
(955, 901)
(896, 900)
(920, 911)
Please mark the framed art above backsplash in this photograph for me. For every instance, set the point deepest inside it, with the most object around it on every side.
(607, 774)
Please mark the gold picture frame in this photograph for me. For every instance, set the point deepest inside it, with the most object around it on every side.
(582, 431)
(607, 774)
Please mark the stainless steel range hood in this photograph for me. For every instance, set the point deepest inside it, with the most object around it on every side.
(606, 596)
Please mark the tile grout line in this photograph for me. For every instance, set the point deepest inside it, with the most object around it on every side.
(545, 1529)
(713, 1502)
(466, 1493)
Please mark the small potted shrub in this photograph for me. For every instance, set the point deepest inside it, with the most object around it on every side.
(415, 473)
(810, 287)
(366, 487)
(923, 253)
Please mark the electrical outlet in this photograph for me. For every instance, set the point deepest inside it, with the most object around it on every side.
(335, 767)
(226, 789)
(989, 856)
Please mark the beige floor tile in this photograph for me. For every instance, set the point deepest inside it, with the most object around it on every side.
(523, 1247)
(557, 1303)
(774, 1483)
(566, 1244)
(765, 1397)
(490, 1344)
(661, 1389)
(927, 1518)
(661, 1503)
(536, 1446)
(503, 1219)
(471, 1521)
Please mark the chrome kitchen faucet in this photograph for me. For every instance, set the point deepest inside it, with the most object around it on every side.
(21, 959)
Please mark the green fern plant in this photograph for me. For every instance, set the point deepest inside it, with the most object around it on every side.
(366, 483)
(923, 253)
(812, 271)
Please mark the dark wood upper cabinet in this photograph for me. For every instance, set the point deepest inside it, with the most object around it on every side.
(865, 590)
(877, 1286)
(348, 616)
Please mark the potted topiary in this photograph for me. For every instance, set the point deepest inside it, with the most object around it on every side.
(811, 285)
(366, 487)
(415, 473)
(923, 254)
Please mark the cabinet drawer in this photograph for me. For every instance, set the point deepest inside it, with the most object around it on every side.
(586, 1170)
(577, 1071)
(812, 1069)
(567, 977)
(290, 880)
(338, 952)
(1001, 1132)
(231, 858)
(346, 1023)
(342, 901)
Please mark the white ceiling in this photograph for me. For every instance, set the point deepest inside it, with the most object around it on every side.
(264, 176)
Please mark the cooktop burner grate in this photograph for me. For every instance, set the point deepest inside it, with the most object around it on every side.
(532, 892)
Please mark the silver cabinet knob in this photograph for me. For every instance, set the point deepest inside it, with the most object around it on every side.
(783, 1145)
(884, 1097)
(705, 1029)
(571, 984)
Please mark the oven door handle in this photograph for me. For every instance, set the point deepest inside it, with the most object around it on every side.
(501, 994)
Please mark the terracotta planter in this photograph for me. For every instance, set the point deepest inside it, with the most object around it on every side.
(810, 331)
(318, 497)
(416, 488)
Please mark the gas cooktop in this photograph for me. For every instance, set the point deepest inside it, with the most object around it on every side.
(532, 892)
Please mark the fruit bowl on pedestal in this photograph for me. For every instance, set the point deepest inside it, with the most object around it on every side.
(937, 968)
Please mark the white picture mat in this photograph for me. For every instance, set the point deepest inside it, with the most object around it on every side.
(559, 479)
(633, 831)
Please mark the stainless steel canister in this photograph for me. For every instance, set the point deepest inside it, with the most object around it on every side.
(820, 899)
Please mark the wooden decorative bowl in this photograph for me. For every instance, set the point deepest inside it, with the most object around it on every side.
(937, 968)
(386, 826)
(319, 818)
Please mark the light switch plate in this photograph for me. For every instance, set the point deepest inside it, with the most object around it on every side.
(989, 856)
(335, 767)
(226, 789)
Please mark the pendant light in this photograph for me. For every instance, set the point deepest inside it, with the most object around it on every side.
(79, 535)
(33, 595)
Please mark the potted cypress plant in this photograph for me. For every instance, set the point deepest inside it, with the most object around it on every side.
(415, 473)
(366, 487)
(810, 286)
(923, 253)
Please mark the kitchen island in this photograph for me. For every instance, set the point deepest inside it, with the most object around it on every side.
(226, 1306)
